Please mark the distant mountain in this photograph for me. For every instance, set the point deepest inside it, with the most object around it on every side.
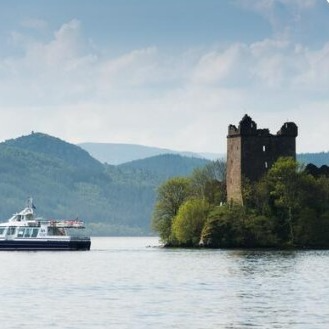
(165, 166)
(318, 159)
(115, 154)
(53, 147)
(66, 182)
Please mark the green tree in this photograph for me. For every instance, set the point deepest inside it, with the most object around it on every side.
(224, 227)
(259, 231)
(189, 222)
(209, 182)
(284, 182)
(171, 195)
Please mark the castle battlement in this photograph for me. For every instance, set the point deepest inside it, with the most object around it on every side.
(251, 152)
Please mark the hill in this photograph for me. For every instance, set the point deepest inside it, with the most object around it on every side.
(318, 159)
(66, 182)
(116, 153)
(167, 165)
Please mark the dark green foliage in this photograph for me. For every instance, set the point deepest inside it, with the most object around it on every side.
(287, 208)
(53, 147)
(224, 228)
(209, 182)
(202, 188)
(66, 182)
(171, 195)
(166, 166)
(317, 172)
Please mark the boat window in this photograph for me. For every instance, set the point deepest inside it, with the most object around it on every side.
(35, 232)
(20, 233)
(11, 230)
(2, 230)
(29, 217)
(28, 232)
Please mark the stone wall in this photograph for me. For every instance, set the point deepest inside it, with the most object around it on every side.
(251, 152)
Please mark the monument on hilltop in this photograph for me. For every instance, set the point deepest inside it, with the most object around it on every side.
(251, 152)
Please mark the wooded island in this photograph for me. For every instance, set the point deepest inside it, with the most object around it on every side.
(261, 197)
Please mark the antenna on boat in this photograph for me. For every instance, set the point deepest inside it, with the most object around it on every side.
(30, 203)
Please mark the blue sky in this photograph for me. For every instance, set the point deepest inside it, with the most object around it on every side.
(171, 73)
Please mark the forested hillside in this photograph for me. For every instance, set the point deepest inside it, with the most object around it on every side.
(66, 182)
(166, 165)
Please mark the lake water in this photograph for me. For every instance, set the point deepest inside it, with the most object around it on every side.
(131, 283)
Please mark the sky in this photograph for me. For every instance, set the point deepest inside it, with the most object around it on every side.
(171, 74)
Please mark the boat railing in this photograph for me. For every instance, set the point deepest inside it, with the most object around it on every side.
(59, 223)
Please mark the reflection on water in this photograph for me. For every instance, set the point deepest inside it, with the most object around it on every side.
(133, 283)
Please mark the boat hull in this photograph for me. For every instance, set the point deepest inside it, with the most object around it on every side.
(47, 245)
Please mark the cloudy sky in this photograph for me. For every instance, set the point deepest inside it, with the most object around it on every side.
(170, 74)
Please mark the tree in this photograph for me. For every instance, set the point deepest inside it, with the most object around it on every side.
(209, 182)
(259, 231)
(189, 222)
(171, 195)
(224, 227)
(284, 182)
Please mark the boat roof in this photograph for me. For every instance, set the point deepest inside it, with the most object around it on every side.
(26, 218)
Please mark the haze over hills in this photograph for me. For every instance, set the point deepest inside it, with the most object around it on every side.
(118, 153)
(318, 159)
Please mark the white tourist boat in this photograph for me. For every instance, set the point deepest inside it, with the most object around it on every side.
(23, 231)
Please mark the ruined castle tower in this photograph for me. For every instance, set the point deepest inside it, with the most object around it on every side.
(251, 152)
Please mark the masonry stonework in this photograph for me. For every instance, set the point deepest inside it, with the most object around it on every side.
(251, 152)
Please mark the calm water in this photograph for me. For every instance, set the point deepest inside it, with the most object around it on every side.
(124, 283)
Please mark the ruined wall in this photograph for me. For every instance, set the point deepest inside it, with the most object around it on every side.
(251, 152)
(233, 172)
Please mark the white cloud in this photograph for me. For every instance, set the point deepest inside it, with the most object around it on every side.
(218, 66)
(314, 73)
(66, 88)
(61, 51)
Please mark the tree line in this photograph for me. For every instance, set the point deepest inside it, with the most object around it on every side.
(287, 208)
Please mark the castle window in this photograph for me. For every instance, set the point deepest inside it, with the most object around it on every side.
(266, 165)
(264, 148)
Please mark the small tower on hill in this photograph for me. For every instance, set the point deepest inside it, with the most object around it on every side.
(251, 152)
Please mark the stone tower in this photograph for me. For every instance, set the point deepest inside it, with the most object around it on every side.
(251, 152)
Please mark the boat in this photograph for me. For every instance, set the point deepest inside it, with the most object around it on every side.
(25, 231)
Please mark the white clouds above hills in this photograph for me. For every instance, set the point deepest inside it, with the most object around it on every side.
(64, 77)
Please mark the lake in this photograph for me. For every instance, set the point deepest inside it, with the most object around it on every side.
(132, 283)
